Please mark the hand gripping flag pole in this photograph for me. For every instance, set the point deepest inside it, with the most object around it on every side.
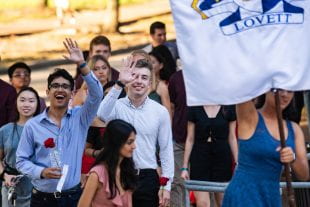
(287, 167)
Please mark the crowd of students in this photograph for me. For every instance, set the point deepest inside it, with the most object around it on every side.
(125, 137)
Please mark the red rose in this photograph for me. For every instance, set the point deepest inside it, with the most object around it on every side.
(49, 143)
(163, 181)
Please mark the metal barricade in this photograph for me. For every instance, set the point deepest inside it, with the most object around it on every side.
(302, 195)
(195, 185)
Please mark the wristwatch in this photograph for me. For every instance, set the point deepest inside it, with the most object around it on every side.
(120, 84)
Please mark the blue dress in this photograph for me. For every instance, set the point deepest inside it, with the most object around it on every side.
(256, 179)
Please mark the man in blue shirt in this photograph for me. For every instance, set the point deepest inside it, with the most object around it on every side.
(58, 134)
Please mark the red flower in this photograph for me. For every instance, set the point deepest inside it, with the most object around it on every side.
(163, 181)
(49, 143)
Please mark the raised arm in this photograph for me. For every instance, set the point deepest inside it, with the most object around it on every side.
(95, 91)
(247, 119)
(106, 109)
(80, 96)
(75, 55)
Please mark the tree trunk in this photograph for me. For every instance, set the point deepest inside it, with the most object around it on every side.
(45, 3)
(111, 23)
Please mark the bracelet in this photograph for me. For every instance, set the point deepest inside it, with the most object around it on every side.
(120, 84)
(82, 65)
(294, 157)
(184, 169)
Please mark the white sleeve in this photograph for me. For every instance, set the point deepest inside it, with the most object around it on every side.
(106, 111)
(166, 148)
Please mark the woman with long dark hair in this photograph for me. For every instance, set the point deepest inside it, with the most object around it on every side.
(170, 64)
(260, 156)
(27, 103)
(159, 88)
(113, 178)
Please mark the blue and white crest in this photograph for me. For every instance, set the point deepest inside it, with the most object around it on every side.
(249, 14)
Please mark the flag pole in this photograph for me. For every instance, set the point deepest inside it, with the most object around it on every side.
(290, 192)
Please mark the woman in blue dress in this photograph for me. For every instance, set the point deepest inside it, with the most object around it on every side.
(260, 157)
(27, 103)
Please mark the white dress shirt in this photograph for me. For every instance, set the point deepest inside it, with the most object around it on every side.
(152, 123)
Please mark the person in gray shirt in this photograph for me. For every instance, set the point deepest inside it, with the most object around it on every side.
(153, 125)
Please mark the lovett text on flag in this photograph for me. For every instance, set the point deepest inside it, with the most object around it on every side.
(235, 50)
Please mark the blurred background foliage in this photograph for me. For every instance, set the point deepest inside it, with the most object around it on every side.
(74, 4)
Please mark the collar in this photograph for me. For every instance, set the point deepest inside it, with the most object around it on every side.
(130, 104)
(44, 114)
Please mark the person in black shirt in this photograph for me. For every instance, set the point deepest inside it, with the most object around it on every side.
(209, 147)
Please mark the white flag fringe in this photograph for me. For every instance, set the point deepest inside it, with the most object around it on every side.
(235, 50)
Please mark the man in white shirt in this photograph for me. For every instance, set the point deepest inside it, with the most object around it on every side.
(153, 126)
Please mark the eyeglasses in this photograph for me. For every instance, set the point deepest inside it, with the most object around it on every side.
(18, 75)
(58, 86)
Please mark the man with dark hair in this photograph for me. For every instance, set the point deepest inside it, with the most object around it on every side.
(158, 33)
(52, 143)
(20, 76)
(153, 125)
(158, 36)
(99, 45)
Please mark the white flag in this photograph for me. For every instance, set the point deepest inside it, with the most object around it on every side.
(235, 50)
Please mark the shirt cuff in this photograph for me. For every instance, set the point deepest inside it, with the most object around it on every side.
(168, 186)
(89, 76)
(38, 172)
(114, 92)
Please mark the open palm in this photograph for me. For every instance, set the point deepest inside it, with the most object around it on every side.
(75, 53)
(126, 73)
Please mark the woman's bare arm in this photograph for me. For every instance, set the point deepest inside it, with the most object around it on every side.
(300, 165)
(247, 119)
(232, 139)
(89, 191)
(165, 98)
